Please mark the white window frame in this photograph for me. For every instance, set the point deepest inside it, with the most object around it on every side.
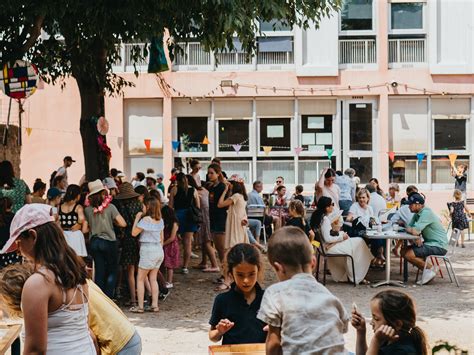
(285, 153)
(446, 152)
(372, 32)
(210, 136)
(410, 31)
(421, 186)
(319, 154)
(233, 153)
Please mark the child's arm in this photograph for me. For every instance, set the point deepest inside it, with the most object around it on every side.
(273, 344)
(358, 322)
(136, 230)
(173, 234)
(216, 332)
(383, 334)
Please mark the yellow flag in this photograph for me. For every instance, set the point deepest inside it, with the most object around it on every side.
(267, 150)
(452, 159)
(28, 131)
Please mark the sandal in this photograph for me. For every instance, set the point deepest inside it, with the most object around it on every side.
(364, 282)
(200, 267)
(131, 304)
(136, 309)
(222, 287)
(211, 269)
(153, 309)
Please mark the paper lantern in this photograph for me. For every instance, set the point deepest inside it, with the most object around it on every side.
(102, 125)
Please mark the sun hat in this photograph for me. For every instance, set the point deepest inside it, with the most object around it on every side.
(109, 183)
(95, 187)
(150, 176)
(416, 198)
(27, 217)
(126, 191)
(53, 193)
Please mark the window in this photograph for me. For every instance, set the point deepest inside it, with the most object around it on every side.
(269, 169)
(363, 168)
(407, 16)
(310, 170)
(441, 169)
(356, 15)
(241, 168)
(406, 170)
(233, 132)
(316, 132)
(449, 134)
(360, 125)
(408, 125)
(275, 133)
(191, 133)
(273, 25)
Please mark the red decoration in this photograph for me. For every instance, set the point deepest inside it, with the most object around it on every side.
(103, 146)
(148, 144)
(391, 155)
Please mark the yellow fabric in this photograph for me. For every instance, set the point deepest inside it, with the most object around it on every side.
(108, 323)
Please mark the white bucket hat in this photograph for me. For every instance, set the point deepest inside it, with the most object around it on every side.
(95, 187)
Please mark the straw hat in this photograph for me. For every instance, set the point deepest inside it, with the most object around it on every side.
(95, 187)
(151, 176)
(126, 191)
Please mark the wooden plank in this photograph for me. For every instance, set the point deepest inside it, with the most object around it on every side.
(13, 332)
(237, 349)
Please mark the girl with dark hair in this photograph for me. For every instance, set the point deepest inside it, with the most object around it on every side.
(143, 192)
(195, 166)
(39, 189)
(340, 243)
(170, 243)
(60, 182)
(376, 184)
(326, 186)
(72, 220)
(394, 325)
(182, 197)
(296, 215)
(15, 189)
(234, 314)
(6, 217)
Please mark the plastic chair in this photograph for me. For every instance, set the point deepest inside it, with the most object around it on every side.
(455, 235)
(320, 252)
(258, 213)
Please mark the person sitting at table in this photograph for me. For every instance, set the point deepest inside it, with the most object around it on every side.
(296, 214)
(255, 200)
(424, 223)
(326, 186)
(377, 202)
(403, 216)
(340, 243)
(393, 196)
(279, 208)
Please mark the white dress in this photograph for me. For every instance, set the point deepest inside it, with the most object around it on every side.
(341, 268)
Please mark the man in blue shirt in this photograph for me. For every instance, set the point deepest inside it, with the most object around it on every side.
(255, 200)
(348, 188)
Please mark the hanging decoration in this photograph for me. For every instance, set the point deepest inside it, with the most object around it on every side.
(452, 159)
(28, 131)
(237, 147)
(103, 146)
(147, 145)
(420, 157)
(391, 155)
(329, 153)
(102, 125)
(205, 140)
(267, 150)
(120, 142)
(18, 80)
(175, 145)
(298, 151)
(157, 62)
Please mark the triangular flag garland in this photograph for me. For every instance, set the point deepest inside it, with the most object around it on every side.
(452, 159)
(120, 142)
(298, 151)
(391, 155)
(237, 147)
(205, 140)
(175, 145)
(420, 157)
(28, 131)
(267, 150)
(147, 144)
(329, 153)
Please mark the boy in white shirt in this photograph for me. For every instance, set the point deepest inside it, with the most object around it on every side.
(302, 315)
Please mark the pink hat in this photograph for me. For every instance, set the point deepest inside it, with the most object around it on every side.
(27, 217)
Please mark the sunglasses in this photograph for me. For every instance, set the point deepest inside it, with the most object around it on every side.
(279, 181)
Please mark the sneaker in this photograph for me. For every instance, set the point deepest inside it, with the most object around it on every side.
(194, 256)
(163, 296)
(169, 285)
(184, 271)
(428, 276)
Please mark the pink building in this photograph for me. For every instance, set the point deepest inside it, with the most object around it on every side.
(378, 77)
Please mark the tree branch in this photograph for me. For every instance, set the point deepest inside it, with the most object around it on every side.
(34, 32)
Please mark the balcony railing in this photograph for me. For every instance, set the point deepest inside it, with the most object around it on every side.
(194, 54)
(234, 58)
(128, 54)
(275, 58)
(357, 51)
(406, 50)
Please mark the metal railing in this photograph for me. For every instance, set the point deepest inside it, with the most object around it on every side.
(194, 54)
(233, 58)
(275, 58)
(357, 51)
(407, 50)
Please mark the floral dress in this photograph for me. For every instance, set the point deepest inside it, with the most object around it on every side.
(17, 194)
(171, 250)
(130, 247)
(458, 216)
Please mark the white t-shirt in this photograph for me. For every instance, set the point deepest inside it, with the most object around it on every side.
(312, 320)
(358, 211)
(377, 203)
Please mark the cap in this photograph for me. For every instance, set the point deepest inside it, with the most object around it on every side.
(121, 175)
(150, 176)
(416, 198)
(69, 158)
(109, 183)
(27, 217)
(160, 176)
(53, 193)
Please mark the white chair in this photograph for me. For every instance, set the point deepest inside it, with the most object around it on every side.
(453, 240)
(258, 213)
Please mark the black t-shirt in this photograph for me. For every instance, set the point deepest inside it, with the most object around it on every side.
(404, 346)
(298, 222)
(300, 198)
(215, 193)
(461, 182)
(5, 228)
(232, 305)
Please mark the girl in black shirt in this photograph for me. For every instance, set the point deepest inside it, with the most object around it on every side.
(296, 215)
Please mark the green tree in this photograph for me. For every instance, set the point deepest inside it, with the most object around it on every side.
(83, 36)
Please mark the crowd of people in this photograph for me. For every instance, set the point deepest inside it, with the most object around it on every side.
(134, 233)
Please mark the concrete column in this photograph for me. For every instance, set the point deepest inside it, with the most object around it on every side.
(382, 34)
(168, 159)
(383, 141)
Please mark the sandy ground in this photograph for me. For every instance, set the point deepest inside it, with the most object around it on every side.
(444, 311)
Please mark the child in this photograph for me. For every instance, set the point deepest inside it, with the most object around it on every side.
(296, 216)
(299, 193)
(460, 175)
(394, 325)
(170, 244)
(458, 211)
(234, 314)
(302, 315)
(150, 228)
(54, 199)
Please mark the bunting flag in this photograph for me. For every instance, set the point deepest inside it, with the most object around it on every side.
(298, 151)
(237, 147)
(205, 140)
(391, 155)
(28, 131)
(420, 157)
(329, 153)
(267, 150)
(147, 144)
(175, 145)
(120, 142)
(452, 159)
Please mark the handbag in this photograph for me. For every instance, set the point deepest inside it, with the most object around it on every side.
(194, 212)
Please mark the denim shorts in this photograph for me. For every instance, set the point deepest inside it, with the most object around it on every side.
(426, 250)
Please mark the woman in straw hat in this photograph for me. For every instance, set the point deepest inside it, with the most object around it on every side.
(101, 216)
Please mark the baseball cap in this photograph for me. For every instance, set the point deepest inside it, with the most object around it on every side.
(160, 176)
(69, 158)
(53, 193)
(110, 183)
(416, 198)
(27, 217)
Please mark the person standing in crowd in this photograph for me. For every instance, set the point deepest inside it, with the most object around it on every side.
(219, 162)
(182, 197)
(72, 220)
(376, 184)
(195, 166)
(129, 206)
(393, 197)
(340, 243)
(142, 192)
(39, 189)
(15, 189)
(54, 199)
(62, 171)
(326, 186)
(150, 229)
(159, 183)
(460, 176)
(54, 298)
(151, 182)
(347, 190)
(170, 244)
(376, 201)
(60, 183)
(111, 185)
(299, 194)
(6, 217)
(101, 216)
(138, 180)
(458, 211)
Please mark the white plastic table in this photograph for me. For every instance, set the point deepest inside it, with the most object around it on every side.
(389, 235)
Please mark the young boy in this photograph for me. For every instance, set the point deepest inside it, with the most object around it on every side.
(299, 193)
(302, 315)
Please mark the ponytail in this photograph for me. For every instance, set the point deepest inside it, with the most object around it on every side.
(418, 337)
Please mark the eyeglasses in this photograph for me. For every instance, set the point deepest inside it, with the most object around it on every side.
(279, 181)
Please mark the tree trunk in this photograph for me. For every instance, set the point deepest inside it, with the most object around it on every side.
(92, 105)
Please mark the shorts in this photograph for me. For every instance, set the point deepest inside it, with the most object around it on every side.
(218, 224)
(186, 225)
(151, 256)
(426, 250)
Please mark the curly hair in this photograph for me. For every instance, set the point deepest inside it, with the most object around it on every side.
(12, 280)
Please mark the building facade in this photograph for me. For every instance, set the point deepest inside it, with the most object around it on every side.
(378, 80)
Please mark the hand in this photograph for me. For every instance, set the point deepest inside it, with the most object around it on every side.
(138, 216)
(244, 222)
(358, 321)
(418, 242)
(345, 236)
(385, 333)
(266, 328)
(224, 326)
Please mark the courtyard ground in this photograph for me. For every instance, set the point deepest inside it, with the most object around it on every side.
(444, 311)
